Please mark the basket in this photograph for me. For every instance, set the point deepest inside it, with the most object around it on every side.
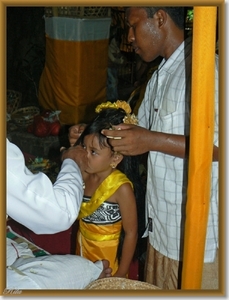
(116, 283)
(13, 101)
(24, 116)
(78, 11)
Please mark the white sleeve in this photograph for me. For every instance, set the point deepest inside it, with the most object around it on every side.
(35, 202)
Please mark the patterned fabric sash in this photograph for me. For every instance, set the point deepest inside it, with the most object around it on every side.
(103, 192)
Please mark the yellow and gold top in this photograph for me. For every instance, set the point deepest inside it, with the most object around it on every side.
(103, 192)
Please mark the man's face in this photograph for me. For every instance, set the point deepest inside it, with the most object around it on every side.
(144, 33)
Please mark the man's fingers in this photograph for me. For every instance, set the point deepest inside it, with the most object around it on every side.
(112, 134)
(114, 137)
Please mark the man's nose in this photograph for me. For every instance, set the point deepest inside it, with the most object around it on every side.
(130, 36)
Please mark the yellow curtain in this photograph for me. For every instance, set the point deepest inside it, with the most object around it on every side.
(74, 78)
(201, 145)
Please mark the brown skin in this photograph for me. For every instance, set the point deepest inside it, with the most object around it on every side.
(151, 37)
(75, 132)
(127, 204)
(138, 140)
(76, 153)
(106, 272)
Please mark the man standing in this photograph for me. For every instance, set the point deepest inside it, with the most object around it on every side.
(164, 119)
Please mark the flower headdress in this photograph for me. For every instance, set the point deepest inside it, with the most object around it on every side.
(128, 119)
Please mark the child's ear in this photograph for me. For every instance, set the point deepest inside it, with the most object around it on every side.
(117, 158)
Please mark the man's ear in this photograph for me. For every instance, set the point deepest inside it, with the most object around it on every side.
(161, 17)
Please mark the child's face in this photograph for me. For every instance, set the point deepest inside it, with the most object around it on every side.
(99, 158)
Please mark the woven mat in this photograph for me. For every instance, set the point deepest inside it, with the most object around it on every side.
(116, 283)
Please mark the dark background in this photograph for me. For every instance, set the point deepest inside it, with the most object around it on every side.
(25, 51)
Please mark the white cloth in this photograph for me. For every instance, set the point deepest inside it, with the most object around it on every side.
(52, 272)
(15, 250)
(35, 202)
(166, 108)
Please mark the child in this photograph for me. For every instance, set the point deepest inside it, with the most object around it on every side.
(108, 221)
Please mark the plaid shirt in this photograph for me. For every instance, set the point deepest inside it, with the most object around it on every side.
(166, 108)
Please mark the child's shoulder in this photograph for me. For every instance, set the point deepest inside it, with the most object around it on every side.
(120, 174)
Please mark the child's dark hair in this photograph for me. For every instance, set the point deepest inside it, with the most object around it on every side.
(129, 165)
(105, 119)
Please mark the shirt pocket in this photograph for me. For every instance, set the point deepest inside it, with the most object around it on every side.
(172, 120)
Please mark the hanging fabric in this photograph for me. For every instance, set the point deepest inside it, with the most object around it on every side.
(201, 145)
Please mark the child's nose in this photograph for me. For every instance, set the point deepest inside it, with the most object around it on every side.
(87, 152)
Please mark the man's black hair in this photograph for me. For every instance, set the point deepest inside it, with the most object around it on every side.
(177, 13)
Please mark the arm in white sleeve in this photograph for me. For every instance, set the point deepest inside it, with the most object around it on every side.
(35, 202)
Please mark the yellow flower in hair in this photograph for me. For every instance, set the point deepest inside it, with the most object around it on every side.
(118, 104)
(124, 105)
(128, 119)
(107, 104)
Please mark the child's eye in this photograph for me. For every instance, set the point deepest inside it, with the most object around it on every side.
(93, 152)
(84, 147)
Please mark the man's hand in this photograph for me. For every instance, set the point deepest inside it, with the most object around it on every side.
(128, 139)
(76, 153)
(74, 133)
(134, 140)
